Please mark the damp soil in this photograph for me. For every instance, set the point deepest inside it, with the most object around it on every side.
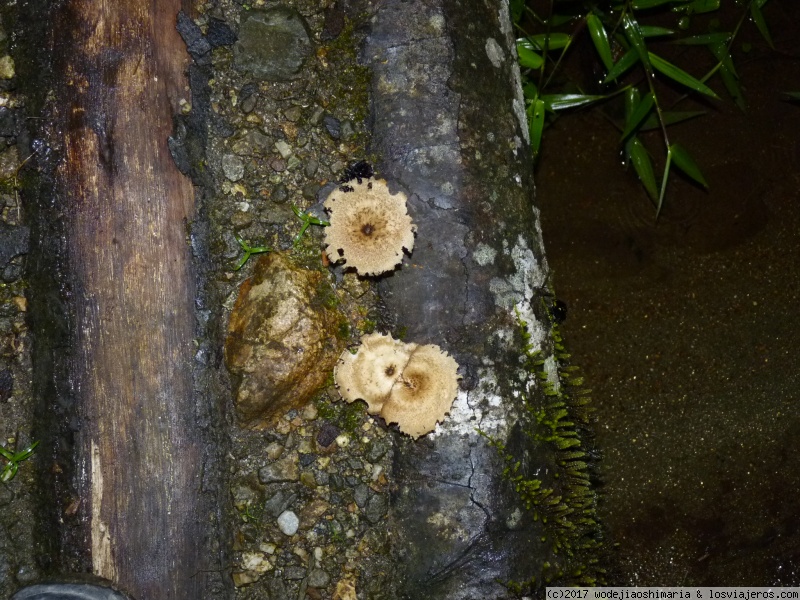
(687, 328)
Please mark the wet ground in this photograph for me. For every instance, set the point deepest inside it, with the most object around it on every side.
(688, 330)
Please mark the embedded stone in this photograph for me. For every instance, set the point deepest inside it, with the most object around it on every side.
(273, 44)
(281, 344)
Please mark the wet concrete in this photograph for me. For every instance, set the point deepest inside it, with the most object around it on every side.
(688, 328)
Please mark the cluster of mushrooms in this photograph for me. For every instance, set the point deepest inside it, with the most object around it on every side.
(409, 384)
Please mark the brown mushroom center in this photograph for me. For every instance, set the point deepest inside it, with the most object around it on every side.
(389, 370)
(367, 229)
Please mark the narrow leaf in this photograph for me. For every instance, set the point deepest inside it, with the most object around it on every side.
(600, 39)
(634, 35)
(706, 38)
(556, 102)
(643, 165)
(793, 95)
(686, 164)
(527, 57)
(530, 91)
(654, 31)
(644, 4)
(638, 114)
(680, 76)
(723, 55)
(701, 6)
(664, 181)
(731, 83)
(758, 19)
(629, 59)
(554, 41)
(536, 112)
(517, 9)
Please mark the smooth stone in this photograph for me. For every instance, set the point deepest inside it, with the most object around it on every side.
(288, 523)
(273, 44)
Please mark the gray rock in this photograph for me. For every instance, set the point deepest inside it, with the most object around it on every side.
(376, 450)
(279, 503)
(294, 573)
(318, 578)
(376, 508)
(273, 44)
(361, 495)
(288, 523)
(233, 167)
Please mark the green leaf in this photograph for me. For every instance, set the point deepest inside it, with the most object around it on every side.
(517, 9)
(536, 112)
(686, 164)
(723, 55)
(758, 19)
(634, 35)
(700, 6)
(629, 59)
(645, 4)
(527, 57)
(664, 181)
(530, 91)
(654, 31)
(556, 102)
(670, 118)
(706, 38)
(731, 82)
(600, 39)
(637, 115)
(642, 164)
(6, 453)
(554, 41)
(793, 95)
(680, 76)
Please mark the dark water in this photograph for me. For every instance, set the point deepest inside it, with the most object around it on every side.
(689, 329)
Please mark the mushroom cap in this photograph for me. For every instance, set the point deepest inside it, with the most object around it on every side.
(369, 227)
(424, 393)
(371, 373)
(408, 384)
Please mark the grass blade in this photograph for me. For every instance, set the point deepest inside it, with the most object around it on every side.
(680, 76)
(630, 58)
(671, 117)
(637, 115)
(758, 19)
(600, 39)
(642, 164)
(686, 164)
(556, 102)
(527, 57)
(554, 41)
(706, 38)
(664, 181)
(634, 35)
(654, 31)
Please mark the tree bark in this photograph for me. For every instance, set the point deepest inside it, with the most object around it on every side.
(450, 126)
(141, 521)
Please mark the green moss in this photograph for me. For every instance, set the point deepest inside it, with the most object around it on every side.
(555, 431)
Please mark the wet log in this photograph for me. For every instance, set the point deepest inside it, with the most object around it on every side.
(450, 127)
(123, 368)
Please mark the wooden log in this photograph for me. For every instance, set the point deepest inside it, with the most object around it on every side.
(119, 75)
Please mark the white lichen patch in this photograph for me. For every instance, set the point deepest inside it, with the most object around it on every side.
(484, 254)
(494, 52)
(480, 409)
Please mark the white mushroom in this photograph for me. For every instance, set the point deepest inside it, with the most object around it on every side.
(369, 227)
(408, 384)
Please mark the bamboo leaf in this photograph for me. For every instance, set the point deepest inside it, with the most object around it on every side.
(723, 55)
(640, 111)
(731, 83)
(793, 95)
(664, 181)
(686, 164)
(554, 41)
(645, 4)
(642, 165)
(758, 19)
(706, 38)
(654, 31)
(701, 6)
(530, 91)
(556, 102)
(680, 76)
(600, 39)
(527, 57)
(536, 112)
(634, 35)
(629, 59)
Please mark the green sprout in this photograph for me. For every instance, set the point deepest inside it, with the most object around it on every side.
(248, 251)
(13, 459)
(307, 220)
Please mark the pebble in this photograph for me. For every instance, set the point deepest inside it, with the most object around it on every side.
(288, 523)
(233, 167)
(318, 578)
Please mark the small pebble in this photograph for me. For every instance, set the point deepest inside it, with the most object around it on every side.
(288, 522)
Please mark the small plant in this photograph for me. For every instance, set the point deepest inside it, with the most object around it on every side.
(307, 220)
(623, 45)
(248, 251)
(13, 459)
